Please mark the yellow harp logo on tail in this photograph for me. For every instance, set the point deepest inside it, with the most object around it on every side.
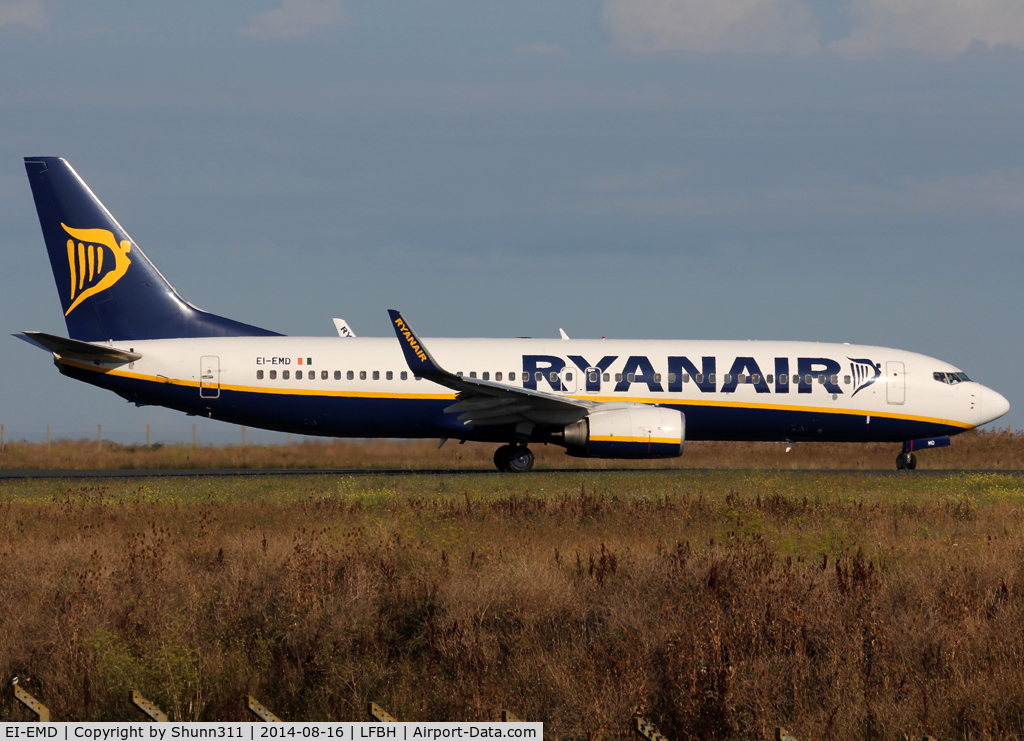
(87, 258)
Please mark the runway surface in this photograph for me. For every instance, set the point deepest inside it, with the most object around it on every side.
(21, 475)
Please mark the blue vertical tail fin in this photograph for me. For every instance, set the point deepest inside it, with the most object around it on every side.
(109, 290)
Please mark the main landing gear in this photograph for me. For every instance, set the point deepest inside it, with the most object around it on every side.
(513, 458)
(906, 461)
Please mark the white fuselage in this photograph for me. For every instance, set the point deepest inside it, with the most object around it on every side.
(727, 390)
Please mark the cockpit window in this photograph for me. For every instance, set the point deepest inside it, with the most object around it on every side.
(951, 378)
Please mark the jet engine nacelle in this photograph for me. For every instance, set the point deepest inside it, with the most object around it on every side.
(630, 432)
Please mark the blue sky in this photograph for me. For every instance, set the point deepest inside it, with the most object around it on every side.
(834, 170)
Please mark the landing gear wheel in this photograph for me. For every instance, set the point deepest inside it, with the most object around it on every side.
(501, 457)
(907, 461)
(520, 460)
(513, 459)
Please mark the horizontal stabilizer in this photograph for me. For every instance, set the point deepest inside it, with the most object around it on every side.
(68, 348)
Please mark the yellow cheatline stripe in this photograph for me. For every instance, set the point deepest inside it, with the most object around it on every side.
(602, 399)
(625, 439)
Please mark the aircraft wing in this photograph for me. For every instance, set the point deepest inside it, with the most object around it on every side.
(68, 348)
(486, 403)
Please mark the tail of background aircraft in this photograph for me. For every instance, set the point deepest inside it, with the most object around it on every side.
(108, 288)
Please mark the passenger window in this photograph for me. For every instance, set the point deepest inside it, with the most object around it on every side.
(592, 378)
(783, 379)
(671, 377)
(337, 375)
(323, 375)
(834, 379)
(769, 378)
(350, 375)
(755, 378)
(606, 377)
(568, 376)
(497, 376)
(846, 380)
(686, 378)
(418, 378)
(485, 376)
(472, 374)
(376, 375)
(259, 375)
(405, 376)
(538, 376)
(389, 375)
(741, 378)
(657, 378)
(273, 375)
(298, 375)
(284, 375)
(699, 378)
(807, 379)
(711, 377)
(362, 375)
(553, 377)
(618, 378)
(512, 376)
(630, 377)
(312, 375)
(821, 379)
(727, 378)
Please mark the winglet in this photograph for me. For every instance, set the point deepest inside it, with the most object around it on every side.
(418, 359)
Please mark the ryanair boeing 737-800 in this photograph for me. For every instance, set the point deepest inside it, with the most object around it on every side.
(130, 332)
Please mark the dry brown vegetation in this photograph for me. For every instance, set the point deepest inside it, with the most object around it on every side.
(719, 605)
(994, 450)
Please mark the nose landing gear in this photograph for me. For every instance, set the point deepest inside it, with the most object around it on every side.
(513, 459)
(906, 461)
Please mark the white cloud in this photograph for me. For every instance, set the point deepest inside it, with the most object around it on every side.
(294, 19)
(931, 26)
(875, 27)
(29, 13)
(711, 25)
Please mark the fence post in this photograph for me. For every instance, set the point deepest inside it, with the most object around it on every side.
(195, 436)
(243, 436)
(264, 714)
(3, 438)
(47, 439)
(31, 703)
(379, 713)
(149, 708)
(99, 436)
(147, 435)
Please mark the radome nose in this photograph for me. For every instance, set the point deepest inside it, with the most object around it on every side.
(993, 404)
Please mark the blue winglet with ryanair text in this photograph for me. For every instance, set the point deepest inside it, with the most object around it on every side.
(416, 356)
